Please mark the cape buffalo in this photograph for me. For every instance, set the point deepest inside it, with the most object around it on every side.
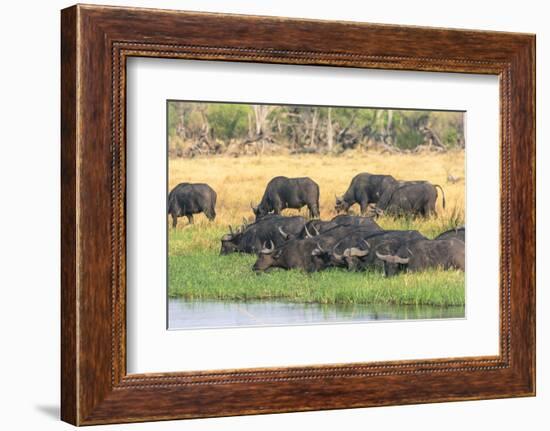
(295, 254)
(416, 198)
(249, 239)
(424, 254)
(315, 227)
(283, 192)
(457, 232)
(364, 189)
(303, 253)
(327, 241)
(357, 250)
(187, 199)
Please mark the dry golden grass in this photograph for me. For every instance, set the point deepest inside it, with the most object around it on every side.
(240, 181)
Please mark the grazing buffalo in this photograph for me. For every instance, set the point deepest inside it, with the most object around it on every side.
(295, 254)
(416, 198)
(457, 233)
(364, 189)
(187, 199)
(249, 239)
(283, 192)
(357, 250)
(316, 227)
(424, 254)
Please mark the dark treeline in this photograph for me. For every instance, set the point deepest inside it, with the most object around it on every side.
(196, 128)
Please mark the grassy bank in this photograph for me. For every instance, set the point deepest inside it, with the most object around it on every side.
(197, 271)
(193, 277)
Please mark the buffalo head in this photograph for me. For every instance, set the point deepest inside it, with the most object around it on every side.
(341, 204)
(350, 257)
(230, 241)
(353, 256)
(267, 257)
(321, 258)
(259, 210)
(394, 263)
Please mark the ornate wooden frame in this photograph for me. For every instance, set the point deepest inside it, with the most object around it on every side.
(95, 43)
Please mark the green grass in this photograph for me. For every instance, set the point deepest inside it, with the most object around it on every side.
(198, 272)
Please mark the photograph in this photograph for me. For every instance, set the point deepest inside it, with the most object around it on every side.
(293, 215)
(264, 212)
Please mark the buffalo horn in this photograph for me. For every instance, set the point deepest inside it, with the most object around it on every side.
(315, 229)
(355, 251)
(392, 259)
(283, 233)
(318, 250)
(266, 250)
(337, 256)
(308, 235)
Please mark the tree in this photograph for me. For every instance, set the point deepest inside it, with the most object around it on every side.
(260, 115)
(243, 128)
(229, 121)
(330, 140)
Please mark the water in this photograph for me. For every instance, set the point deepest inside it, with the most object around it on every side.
(185, 314)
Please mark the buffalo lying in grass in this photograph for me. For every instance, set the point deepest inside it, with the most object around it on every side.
(456, 233)
(303, 253)
(283, 192)
(356, 251)
(364, 189)
(317, 227)
(187, 199)
(424, 254)
(249, 239)
(295, 254)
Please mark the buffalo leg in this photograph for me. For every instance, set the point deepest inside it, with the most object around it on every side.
(429, 210)
(313, 211)
(211, 215)
(174, 220)
(364, 207)
(190, 218)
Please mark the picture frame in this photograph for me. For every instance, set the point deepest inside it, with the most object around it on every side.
(96, 42)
